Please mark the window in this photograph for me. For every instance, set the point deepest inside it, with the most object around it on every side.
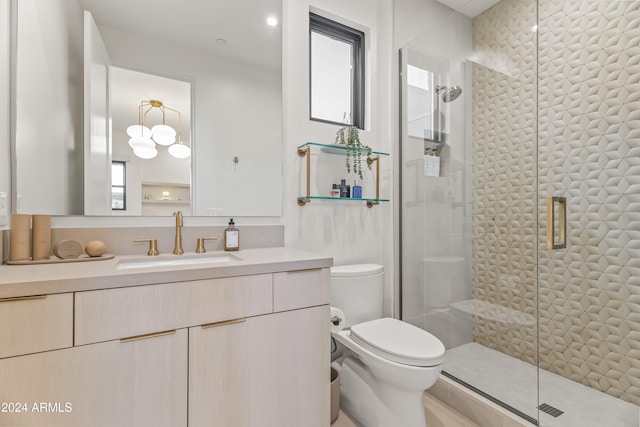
(337, 72)
(118, 186)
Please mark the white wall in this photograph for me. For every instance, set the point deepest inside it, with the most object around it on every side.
(49, 108)
(5, 165)
(348, 231)
(220, 86)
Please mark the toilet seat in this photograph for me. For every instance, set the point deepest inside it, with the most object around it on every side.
(399, 342)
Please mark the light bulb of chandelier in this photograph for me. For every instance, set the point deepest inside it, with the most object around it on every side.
(164, 139)
(138, 131)
(141, 143)
(180, 151)
(145, 153)
(163, 134)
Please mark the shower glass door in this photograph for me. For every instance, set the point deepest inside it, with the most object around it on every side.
(520, 205)
(469, 225)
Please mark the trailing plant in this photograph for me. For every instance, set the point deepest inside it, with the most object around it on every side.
(350, 136)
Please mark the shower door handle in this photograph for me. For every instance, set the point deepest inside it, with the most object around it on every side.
(561, 241)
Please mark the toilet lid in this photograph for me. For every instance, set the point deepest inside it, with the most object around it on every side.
(399, 341)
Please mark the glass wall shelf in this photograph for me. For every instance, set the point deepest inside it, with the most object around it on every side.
(372, 158)
(340, 149)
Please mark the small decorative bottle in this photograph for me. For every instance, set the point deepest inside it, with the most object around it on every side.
(345, 189)
(356, 191)
(335, 191)
(231, 237)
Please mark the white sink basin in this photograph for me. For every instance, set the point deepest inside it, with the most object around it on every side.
(177, 260)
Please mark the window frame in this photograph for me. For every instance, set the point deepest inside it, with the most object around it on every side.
(327, 27)
(123, 186)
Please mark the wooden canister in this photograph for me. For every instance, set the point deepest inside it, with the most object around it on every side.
(41, 237)
(20, 237)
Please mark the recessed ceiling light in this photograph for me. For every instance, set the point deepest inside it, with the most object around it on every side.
(272, 21)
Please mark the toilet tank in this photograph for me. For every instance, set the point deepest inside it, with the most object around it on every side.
(357, 290)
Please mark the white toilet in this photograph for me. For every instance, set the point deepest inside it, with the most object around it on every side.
(387, 363)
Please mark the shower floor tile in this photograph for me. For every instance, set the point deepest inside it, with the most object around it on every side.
(515, 383)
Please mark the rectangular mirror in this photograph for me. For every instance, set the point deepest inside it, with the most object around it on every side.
(227, 54)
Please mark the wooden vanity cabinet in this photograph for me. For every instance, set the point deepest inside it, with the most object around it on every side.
(35, 323)
(116, 313)
(300, 288)
(265, 371)
(213, 352)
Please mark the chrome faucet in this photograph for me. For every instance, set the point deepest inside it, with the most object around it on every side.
(177, 250)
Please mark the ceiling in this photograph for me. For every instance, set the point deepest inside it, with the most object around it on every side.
(470, 8)
(196, 24)
(199, 23)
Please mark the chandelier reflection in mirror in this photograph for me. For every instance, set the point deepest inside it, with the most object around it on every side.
(144, 139)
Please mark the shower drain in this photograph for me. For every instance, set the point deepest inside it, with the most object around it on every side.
(554, 412)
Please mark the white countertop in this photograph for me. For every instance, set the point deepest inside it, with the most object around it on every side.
(39, 279)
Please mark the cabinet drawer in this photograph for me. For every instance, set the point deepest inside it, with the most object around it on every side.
(120, 313)
(35, 324)
(141, 383)
(300, 288)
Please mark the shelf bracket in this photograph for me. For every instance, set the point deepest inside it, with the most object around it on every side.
(302, 153)
(376, 160)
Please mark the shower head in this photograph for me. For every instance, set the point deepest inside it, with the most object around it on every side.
(449, 94)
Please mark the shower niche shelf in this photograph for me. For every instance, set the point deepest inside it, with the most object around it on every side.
(434, 146)
(373, 160)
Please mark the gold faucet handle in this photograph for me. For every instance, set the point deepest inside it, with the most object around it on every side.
(153, 246)
(200, 249)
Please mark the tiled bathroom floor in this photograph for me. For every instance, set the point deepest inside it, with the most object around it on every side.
(515, 383)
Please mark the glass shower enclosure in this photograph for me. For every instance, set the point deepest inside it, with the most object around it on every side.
(520, 205)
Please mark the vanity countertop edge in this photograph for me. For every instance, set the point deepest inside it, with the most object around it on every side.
(28, 280)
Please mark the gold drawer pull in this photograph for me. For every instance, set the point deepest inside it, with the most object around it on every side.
(303, 271)
(223, 323)
(562, 223)
(145, 336)
(23, 298)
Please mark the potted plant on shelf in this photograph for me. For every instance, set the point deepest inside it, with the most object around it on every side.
(350, 137)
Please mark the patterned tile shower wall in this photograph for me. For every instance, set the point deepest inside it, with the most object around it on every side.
(589, 152)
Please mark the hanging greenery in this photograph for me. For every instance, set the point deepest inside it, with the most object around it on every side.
(350, 136)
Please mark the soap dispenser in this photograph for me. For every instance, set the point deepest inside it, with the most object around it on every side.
(231, 237)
